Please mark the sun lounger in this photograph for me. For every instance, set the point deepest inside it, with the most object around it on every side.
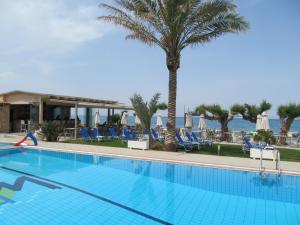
(85, 135)
(200, 140)
(155, 135)
(146, 132)
(113, 133)
(247, 145)
(134, 135)
(97, 135)
(185, 144)
(191, 140)
(125, 134)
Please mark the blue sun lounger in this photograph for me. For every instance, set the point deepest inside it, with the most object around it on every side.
(85, 134)
(97, 135)
(185, 144)
(202, 141)
(134, 135)
(146, 132)
(113, 133)
(155, 135)
(193, 141)
(125, 134)
(247, 145)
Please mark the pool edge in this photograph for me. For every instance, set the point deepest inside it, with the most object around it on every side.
(184, 162)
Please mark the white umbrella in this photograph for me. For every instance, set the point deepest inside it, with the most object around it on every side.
(265, 121)
(137, 120)
(96, 119)
(159, 122)
(189, 120)
(202, 124)
(258, 122)
(124, 119)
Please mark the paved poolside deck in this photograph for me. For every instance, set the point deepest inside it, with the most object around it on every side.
(174, 157)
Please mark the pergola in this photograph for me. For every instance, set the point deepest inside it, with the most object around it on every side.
(16, 101)
(88, 103)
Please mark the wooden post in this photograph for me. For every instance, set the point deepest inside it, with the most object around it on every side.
(87, 117)
(108, 115)
(41, 112)
(76, 121)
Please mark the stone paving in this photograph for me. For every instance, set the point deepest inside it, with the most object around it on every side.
(174, 157)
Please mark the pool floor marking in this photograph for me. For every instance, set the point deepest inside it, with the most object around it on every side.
(5, 200)
(18, 185)
(92, 195)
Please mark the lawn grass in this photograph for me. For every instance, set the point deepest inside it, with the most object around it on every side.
(225, 150)
(291, 155)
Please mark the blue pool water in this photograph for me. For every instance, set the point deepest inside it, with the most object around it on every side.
(47, 187)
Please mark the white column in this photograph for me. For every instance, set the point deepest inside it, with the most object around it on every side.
(41, 112)
(76, 122)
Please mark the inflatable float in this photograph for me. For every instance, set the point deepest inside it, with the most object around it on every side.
(23, 143)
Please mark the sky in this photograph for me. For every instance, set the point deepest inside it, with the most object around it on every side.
(59, 47)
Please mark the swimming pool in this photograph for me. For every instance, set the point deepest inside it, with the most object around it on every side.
(50, 187)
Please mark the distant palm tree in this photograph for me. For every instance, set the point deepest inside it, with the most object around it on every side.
(145, 110)
(173, 25)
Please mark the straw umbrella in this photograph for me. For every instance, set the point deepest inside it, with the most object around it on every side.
(96, 119)
(258, 122)
(124, 119)
(202, 124)
(159, 122)
(265, 121)
(137, 120)
(189, 121)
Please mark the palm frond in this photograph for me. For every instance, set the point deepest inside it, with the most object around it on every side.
(145, 110)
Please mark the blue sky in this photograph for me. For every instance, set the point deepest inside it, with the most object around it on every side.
(59, 47)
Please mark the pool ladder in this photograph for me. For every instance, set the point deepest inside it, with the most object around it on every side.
(277, 162)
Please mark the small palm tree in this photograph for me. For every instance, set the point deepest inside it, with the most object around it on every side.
(215, 112)
(174, 25)
(250, 112)
(145, 110)
(287, 114)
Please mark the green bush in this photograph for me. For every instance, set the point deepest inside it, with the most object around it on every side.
(265, 136)
(115, 119)
(50, 130)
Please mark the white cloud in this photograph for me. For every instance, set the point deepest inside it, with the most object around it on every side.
(47, 26)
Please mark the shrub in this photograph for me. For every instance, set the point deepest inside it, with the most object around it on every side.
(115, 119)
(265, 136)
(50, 130)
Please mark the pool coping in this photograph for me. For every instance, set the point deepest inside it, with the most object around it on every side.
(182, 162)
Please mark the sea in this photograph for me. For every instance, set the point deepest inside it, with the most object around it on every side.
(237, 124)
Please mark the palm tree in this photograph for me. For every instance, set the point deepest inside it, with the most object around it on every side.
(145, 110)
(250, 112)
(287, 114)
(215, 112)
(174, 25)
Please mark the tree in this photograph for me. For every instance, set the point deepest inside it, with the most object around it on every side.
(287, 114)
(174, 25)
(215, 112)
(250, 112)
(145, 110)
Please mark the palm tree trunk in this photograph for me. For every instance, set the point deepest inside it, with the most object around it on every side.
(171, 125)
